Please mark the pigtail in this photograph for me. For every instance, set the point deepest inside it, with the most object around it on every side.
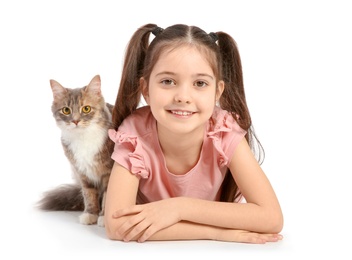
(129, 93)
(233, 99)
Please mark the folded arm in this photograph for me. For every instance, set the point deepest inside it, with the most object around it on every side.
(256, 221)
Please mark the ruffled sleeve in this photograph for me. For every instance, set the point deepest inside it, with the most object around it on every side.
(128, 152)
(226, 134)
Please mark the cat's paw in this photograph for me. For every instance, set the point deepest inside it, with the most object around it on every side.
(88, 219)
(101, 221)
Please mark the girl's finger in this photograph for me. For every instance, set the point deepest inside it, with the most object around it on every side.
(127, 211)
(129, 224)
(136, 231)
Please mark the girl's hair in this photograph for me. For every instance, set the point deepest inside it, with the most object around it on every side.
(221, 51)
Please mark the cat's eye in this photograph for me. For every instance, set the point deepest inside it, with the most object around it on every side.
(86, 109)
(66, 110)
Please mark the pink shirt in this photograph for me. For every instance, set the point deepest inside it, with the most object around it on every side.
(137, 149)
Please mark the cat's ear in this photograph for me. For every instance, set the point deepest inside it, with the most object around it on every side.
(95, 85)
(57, 89)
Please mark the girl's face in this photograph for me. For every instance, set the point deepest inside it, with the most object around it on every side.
(182, 90)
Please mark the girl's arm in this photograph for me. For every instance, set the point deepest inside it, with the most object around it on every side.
(121, 193)
(187, 218)
(261, 212)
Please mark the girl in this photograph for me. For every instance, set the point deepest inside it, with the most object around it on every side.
(184, 161)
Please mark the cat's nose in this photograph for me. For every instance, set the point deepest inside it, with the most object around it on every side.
(75, 122)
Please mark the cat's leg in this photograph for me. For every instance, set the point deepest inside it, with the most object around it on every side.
(104, 184)
(91, 203)
(101, 214)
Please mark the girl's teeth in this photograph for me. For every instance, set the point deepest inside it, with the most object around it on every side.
(184, 113)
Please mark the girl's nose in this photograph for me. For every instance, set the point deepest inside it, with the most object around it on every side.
(183, 95)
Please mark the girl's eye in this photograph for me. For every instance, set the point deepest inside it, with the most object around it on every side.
(86, 109)
(66, 110)
(168, 82)
(200, 84)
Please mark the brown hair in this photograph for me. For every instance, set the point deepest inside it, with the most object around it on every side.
(223, 56)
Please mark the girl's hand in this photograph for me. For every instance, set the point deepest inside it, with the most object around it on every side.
(147, 219)
(243, 236)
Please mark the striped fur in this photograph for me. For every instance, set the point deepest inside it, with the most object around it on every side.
(84, 119)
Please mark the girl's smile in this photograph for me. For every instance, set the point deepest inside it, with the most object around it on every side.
(182, 114)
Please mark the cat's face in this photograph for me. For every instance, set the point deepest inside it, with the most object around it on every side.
(79, 107)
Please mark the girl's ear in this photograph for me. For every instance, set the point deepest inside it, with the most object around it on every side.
(220, 89)
(144, 88)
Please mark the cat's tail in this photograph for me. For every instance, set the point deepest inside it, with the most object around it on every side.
(67, 197)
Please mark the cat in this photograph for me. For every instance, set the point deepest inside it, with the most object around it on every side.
(84, 118)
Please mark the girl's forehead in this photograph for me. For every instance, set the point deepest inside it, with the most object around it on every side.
(182, 49)
(183, 56)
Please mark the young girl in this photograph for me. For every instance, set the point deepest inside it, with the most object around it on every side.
(184, 161)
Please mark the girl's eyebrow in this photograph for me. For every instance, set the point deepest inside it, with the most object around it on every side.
(204, 75)
(195, 75)
(165, 73)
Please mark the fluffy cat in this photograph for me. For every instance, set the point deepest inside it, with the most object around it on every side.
(84, 119)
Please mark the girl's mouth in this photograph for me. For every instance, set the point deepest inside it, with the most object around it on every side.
(181, 113)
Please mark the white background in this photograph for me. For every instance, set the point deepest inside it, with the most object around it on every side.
(297, 71)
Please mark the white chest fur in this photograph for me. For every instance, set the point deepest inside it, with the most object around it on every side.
(85, 144)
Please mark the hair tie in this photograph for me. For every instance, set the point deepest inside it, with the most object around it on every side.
(214, 36)
(157, 30)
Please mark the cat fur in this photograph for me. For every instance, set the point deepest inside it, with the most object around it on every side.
(85, 141)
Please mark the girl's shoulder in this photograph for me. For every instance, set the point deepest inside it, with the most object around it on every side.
(223, 121)
(139, 123)
(225, 134)
(136, 130)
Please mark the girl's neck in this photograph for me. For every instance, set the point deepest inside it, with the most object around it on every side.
(181, 152)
